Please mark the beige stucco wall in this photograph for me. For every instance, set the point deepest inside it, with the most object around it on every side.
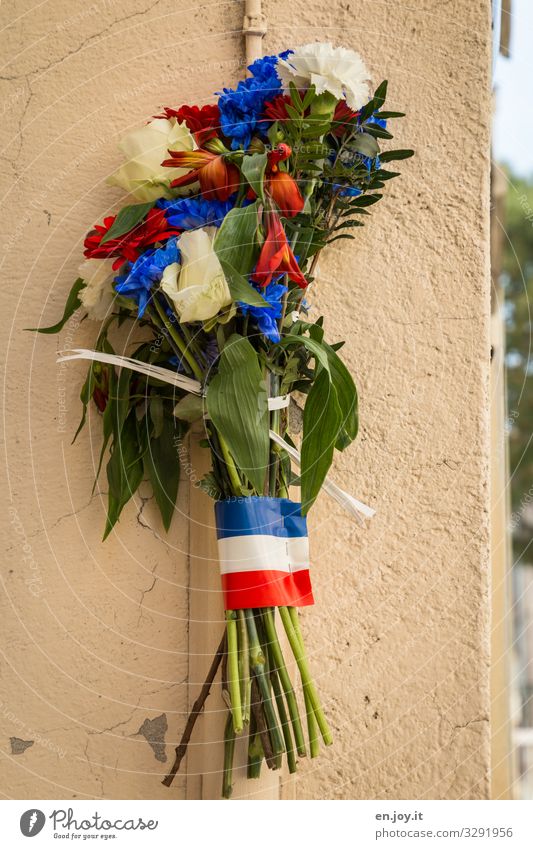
(95, 636)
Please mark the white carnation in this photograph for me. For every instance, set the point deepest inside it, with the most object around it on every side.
(339, 71)
(98, 294)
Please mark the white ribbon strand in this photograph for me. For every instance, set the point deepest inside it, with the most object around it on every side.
(356, 508)
(351, 505)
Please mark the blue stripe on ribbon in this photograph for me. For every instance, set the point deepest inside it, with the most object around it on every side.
(278, 517)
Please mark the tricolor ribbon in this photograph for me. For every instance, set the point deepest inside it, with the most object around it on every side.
(263, 552)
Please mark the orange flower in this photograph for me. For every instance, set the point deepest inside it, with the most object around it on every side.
(284, 191)
(217, 177)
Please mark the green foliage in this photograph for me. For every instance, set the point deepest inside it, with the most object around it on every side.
(253, 167)
(240, 288)
(72, 304)
(162, 466)
(124, 470)
(330, 413)
(128, 218)
(236, 243)
(237, 405)
(322, 421)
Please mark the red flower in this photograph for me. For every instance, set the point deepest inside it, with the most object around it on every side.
(203, 122)
(342, 117)
(280, 153)
(154, 228)
(218, 178)
(276, 109)
(276, 256)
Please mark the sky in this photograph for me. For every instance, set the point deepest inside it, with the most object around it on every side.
(513, 82)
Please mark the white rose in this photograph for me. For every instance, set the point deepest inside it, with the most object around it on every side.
(197, 287)
(142, 175)
(98, 294)
(339, 71)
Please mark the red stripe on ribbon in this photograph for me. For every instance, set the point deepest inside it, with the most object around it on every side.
(270, 588)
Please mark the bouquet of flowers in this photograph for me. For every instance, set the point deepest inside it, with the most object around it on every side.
(233, 203)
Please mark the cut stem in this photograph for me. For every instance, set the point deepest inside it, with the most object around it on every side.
(257, 662)
(244, 666)
(292, 629)
(234, 686)
(312, 727)
(278, 663)
(229, 751)
(284, 719)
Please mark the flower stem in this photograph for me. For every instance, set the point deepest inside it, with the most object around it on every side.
(284, 719)
(184, 350)
(280, 667)
(258, 662)
(312, 727)
(233, 671)
(230, 466)
(244, 666)
(295, 639)
(229, 751)
(255, 756)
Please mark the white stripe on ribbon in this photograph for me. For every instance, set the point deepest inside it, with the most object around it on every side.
(262, 553)
(356, 508)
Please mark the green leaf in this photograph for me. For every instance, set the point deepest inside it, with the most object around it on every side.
(73, 303)
(240, 288)
(386, 175)
(295, 97)
(236, 240)
(237, 406)
(156, 414)
(107, 421)
(162, 467)
(347, 398)
(190, 408)
(379, 95)
(127, 219)
(316, 129)
(314, 347)
(308, 98)
(377, 131)
(124, 471)
(87, 391)
(209, 485)
(391, 115)
(365, 144)
(342, 236)
(391, 155)
(253, 167)
(365, 200)
(321, 422)
(294, 114)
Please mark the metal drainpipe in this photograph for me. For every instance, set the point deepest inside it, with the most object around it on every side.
(254, 29)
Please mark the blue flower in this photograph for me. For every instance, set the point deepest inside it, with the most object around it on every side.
(241, 108)
(348, 191)
(144, 272)
(266, 317)
(190, 213)
(375, 119)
